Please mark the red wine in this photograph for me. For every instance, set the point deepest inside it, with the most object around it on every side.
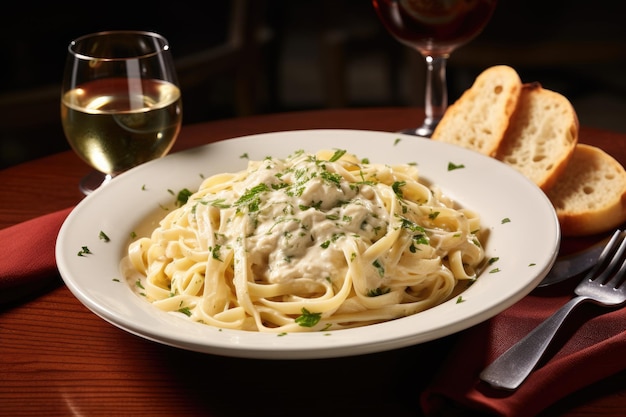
(434, 27)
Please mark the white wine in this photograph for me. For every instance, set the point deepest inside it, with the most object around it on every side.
(116, 124)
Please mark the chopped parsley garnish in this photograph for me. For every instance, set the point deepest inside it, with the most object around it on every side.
(182, 197)
(506, 220)
(252, 194)
(308, 319)
(418, 240)
(452, 166)
(396, 187)
(414, 227)
(215, 252)
(218, 202)
(251, 198)
(84, 251)
(185, 310)
(314, 205)
(379, 268)
(337, 155)
(433, 215)
(331, 177)
(103, 236)
(378, 291)
(333, 239)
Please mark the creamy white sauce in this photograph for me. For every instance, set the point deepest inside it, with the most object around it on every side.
(299, 230)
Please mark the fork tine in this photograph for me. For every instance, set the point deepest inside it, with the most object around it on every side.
(617, 257)
(616, 280)
(607, 256)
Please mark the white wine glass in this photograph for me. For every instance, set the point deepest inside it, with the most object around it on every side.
(434, 28)
(120, 103)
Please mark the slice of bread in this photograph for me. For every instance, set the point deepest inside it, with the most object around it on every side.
(590, 195)
(479, 118)
(542, 135)
(535, 131)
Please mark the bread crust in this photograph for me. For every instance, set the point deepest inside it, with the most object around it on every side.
(542, 135)
(480, 117)
(590, 195)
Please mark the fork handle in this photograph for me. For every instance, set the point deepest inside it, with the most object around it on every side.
(510, 369)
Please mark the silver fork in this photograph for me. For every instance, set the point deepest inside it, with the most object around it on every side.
(602, 285)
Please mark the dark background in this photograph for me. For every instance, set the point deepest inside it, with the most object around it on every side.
(291, 55)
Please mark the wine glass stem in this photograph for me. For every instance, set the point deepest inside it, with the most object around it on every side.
(436, 99)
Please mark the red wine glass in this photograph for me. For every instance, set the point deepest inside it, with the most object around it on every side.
(434, 28)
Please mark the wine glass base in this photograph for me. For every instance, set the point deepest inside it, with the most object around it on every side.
(92, 181)
(423, 131)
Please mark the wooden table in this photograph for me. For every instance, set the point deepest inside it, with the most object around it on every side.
(59, 359)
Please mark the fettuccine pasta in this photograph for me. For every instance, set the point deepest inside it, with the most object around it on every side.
(307, 243)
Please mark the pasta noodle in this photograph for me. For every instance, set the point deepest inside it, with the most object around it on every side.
(310, 242)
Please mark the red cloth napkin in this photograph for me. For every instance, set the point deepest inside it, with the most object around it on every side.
(28, 261)
(589, 347)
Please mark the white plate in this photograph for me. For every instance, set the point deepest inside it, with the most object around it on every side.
(523, 233)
